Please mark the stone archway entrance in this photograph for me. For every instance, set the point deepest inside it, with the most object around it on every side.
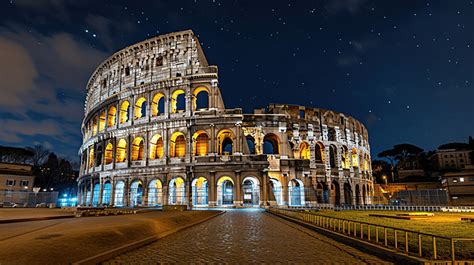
(251, 191)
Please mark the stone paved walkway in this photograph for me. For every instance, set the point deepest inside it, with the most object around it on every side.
(247, 236)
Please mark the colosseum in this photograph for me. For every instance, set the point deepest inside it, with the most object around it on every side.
(156, 133)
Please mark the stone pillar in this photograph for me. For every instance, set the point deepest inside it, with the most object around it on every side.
(112, 192)
(265, 180)
(213, 139)
(145, 192)
(126, 193)
(284, 190)
(92, 193)
(238, 200)
(187, 186)
(164, 190)
(101, 191)
(212, 189)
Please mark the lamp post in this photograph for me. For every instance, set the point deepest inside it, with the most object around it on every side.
(385, 180)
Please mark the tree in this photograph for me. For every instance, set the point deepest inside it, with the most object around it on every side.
(399, 152)
(391, 155)
(380, 168)
(39, 154)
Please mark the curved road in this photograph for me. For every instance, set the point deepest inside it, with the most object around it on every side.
(247, 236)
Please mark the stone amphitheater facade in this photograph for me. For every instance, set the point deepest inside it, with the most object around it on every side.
(156, 133)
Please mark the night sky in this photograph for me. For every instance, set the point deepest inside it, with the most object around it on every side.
(404, 68)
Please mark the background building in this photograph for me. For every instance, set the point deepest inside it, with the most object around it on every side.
(16, 180)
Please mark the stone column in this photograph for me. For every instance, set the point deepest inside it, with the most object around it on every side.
(188, 193)
(112, 192)
(213, 139)
(92, 193)
(265, 180)
(238, 200)
(101, 191)
(164, 190)
(212, 189)
(284, 190)
(145, 192)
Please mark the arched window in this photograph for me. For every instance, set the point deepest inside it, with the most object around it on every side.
(225, 142)
(156, 147)
(178, 145)
(271, 144)
(201, 98)
(355, 158)
(124, 109)
(305, 151)
(102, 121)
(121, 153)
(178, 101)
(111, 116)
(109, 153)
(91, 157)
(119, 193)
(98, 157)
(154, 192)
(140, 108)
(158, 105)
(106, 193)
(331, 134)
(94, 126)
(136, 192)
(346, 164)
(250, 143)
(332, 156)
(319, 153)
(137, 149)
(200, 143)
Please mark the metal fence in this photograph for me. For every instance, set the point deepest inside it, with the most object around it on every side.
(28, 199)
(411, 243)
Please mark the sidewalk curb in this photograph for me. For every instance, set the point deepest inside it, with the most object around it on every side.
(20, 220)
(359, 244)
(134, 245)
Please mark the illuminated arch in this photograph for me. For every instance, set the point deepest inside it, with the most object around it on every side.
(156, 147)
(271, 144)
(346, 163)
(225, 191)
(111, 113)
(251, 191)
(140, 108)
(154, 193)
(355, 158)
(176, 194)
(200, 191)
(138, 149)
(109, 149)
(124, 111)
(106, 193)
(178, 145)
(332, 156)
(296, 193)
(119, 193)
(178, 101)
(225, 140)
(136, 193)
(94, 125)
(91, 158)
(158, 104)
(121, 152)
(305, 152)
(200, 143)
(102, 120)
(319, 152)
(277, 190)
(201, 98)
(250, 143)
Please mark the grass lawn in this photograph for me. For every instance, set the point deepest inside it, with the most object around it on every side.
(442, 224)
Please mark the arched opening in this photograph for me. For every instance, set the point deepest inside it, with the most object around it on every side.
(364, 194)
(366, 163)
(346, 164)
(347, 194)
(102, 121)
(355, 158)
(225, 191)
(88, 195)
(271, 144)
(277, 190)
(109, 152)
(91, 157)
(319, 153)
(95, 195)
(178, 145)
(138, 149)
(357, 194)
(305, 151)
(98, 157)
(332, 156)
(251, 191)
(200, 143)
(225, 142)
(296, 193)
(154, 193)
(106, 193)
(201, 98)
(124, 111)
(325, 193)
(136, 192)
(335, 193)
(140, 108)
(176, 191)
(200, 191)
(94, 126)
(319, 193)
(156, 147)
(178, 101)
(158, 105)
(121, 153)
(111, 116)
(119, 193)
(250, 143)
(332, 134)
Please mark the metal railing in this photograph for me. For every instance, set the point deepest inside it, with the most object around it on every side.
(412, 243)
(433, 208)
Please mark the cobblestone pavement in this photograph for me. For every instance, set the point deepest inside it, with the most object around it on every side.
(246, 236)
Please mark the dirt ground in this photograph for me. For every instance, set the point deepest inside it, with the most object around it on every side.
(64, 241)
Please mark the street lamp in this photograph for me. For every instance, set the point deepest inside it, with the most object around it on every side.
(385, 179)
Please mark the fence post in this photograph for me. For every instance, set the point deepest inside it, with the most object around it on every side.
(406, 242)
(368, 232)
(453, 253)
(434, 248)
(377, 234)
(419, 246)
(385, 236)
(396, 239)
